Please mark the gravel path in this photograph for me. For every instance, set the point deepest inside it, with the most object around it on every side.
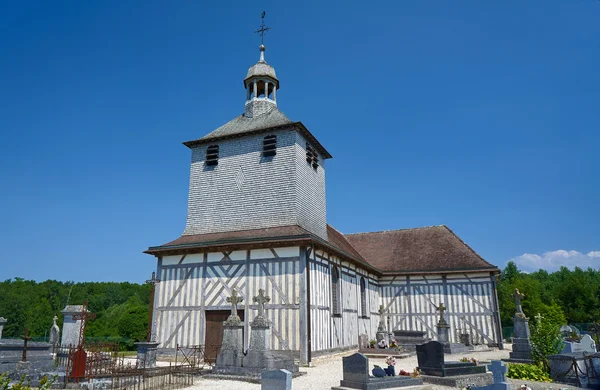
(327, 372)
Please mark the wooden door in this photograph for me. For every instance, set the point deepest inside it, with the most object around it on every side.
(214, 332)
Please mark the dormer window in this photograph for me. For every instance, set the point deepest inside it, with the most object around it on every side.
(269, 145)
(212, 155)
(311, 156)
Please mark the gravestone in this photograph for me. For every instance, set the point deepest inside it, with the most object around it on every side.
(258, 358)
(363, 341)
(382, 336)
(499, 370)
(2, 322)
(521, 348)
(71, 326)
(232, 350)
(443, 334)
(276, 380)
(586, 344)
(146, 354)
(356, 376)
(431, 362)
(54, 334)
(409, 339)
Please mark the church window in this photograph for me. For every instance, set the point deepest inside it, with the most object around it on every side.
(363, 297)
(311, 156)
(270, 145)
(335, 292)
(212, 155)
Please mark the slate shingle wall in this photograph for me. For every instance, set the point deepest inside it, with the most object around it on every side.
(310, 191)
(249, 191)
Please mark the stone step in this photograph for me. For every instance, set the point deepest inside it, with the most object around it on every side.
(420, 387)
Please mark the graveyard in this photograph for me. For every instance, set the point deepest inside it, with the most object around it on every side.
(131, 265)
(69, 361)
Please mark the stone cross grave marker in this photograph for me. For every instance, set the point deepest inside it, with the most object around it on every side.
(381, 311)
(538, 318)
(234, 299)
(276, 380)
(499, 371)
(441, 308)
(26, 339)
(261, 299)
(54, 333)
(517, 295)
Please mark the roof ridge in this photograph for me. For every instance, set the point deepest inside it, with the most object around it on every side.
(396, 230)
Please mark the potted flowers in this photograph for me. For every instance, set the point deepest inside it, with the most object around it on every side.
(391, 363)
(372, 343)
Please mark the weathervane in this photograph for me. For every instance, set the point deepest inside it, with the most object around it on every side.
(262, 29)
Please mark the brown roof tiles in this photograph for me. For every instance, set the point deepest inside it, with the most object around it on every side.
(419, 250)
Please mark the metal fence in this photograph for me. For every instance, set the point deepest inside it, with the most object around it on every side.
(172, 377)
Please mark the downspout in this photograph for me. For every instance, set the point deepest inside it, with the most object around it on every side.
(308, 319)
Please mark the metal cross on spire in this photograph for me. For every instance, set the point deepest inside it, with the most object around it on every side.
(262, 29)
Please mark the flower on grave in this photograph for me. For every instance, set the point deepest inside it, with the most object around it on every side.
(404, 373)
(473, 360)
(390, 361)
(394, 344)
(372, 343)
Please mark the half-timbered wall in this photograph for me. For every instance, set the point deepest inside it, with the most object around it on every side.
(194, 283)
(470, 299)
(330, 331)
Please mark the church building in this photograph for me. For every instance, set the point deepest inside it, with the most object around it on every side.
(257, 220)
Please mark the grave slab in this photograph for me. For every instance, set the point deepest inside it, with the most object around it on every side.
(356, 375)
(276, 380)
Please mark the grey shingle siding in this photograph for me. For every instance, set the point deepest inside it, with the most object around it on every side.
(249, 191)
(310, 191)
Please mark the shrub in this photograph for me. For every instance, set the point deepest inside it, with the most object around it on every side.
(530, 372)
(545, 340)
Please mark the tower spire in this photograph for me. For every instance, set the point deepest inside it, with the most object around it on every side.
(261, 83)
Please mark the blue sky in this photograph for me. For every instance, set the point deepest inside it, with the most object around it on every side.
(481, 115)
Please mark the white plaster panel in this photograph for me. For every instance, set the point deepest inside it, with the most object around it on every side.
(170, 260)
(238, 255)
(261, 254)
(193, 258)
(214, 257)
(293, 251)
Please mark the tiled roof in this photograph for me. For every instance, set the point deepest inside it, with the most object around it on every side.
(427, 249)
(421, 250)
(197, 240)
(243, 124)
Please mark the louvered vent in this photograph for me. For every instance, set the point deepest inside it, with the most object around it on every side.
(311, 156)
(270, 145)
(212, 155)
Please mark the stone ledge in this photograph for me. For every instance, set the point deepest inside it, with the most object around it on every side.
(460, 381)
(242, 378)
(388, 382)
(419, 387)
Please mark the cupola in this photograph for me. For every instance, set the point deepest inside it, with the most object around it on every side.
(261, 85)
